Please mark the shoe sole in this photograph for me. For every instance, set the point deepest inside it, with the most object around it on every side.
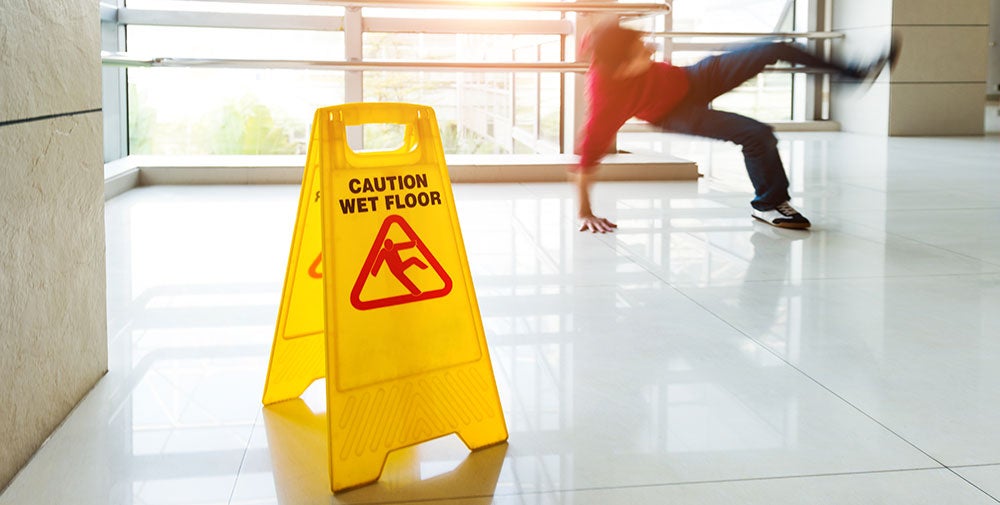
(895, 47)
(787, 226)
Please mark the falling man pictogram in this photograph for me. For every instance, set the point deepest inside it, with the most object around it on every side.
(397, 258)
(389, 256)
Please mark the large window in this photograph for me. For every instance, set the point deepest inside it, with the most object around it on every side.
(210, 102)
(478, 112)
(228, 111)
(767, 97)
(179, 111)
(217, 109)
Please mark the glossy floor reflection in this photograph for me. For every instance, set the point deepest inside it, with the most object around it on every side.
(695, 356)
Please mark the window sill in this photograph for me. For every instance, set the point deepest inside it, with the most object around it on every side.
(135, 171)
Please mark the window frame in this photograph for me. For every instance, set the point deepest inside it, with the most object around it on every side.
(810, 91)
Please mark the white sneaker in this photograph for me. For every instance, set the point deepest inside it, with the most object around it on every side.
(782, 216)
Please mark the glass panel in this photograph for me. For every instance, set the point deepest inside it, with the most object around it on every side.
(383, 136)
(471, 13)
(236, 43)
(175, 111)
(727, 15)
(467, 116)
(525, 100)
(228, 111)
(475, 110)
(550, 107)
(767, 97)
(461, 47)
(410, 46)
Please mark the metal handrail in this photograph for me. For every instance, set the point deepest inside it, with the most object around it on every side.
(760, 35)
(198, 19)
(624, 8)
(126, 60)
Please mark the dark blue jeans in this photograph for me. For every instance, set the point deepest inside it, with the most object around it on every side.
(719, 74)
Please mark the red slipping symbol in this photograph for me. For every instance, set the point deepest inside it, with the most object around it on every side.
(314, 268)
(386, 253)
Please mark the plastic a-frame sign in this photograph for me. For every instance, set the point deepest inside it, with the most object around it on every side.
(378, 298)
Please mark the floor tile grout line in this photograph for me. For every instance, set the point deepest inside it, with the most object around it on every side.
(800, 371)
(960, 476)
(967, 481)
(922, 242)
(639, 261)
(243, 459)
(825, 387)
(977, 465)
(839, 278)
(679, 290)
(928, 244)
(914, 240)
(675, 484)
(610, 240)
(649, 268)
(766, 348)
(760, 479)
(842, 278)
(945, 249)
(811, 378)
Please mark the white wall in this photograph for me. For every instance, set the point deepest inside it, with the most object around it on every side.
(53, 330)
(937, 86)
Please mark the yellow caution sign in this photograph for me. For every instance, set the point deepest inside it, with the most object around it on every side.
(378, 298)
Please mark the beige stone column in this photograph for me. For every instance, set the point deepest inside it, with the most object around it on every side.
(53, 330)
(938, 86)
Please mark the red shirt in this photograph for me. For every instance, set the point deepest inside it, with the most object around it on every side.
(649, 96)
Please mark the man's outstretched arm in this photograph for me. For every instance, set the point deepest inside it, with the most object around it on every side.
(588, 221)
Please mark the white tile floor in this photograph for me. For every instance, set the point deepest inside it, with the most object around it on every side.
(694, 356)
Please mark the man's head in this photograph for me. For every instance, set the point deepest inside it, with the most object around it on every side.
(617, 51)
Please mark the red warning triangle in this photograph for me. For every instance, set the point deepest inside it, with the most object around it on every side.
(385, 256)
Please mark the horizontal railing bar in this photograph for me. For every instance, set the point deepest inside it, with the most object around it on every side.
(336, 23)
(762, 35)
(109, 13)
(625, 8)
(677, 47)
(196, 19)
(469, 26)
(125, 60)
(149, 17)
(798, 70)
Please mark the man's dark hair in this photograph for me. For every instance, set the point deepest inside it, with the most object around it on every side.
(608, 44)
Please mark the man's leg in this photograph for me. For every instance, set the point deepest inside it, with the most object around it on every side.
(716, 75)
(760, 147)
(760, 154)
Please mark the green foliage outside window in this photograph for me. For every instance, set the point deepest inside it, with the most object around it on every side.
(245, 126)
(241, 126)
